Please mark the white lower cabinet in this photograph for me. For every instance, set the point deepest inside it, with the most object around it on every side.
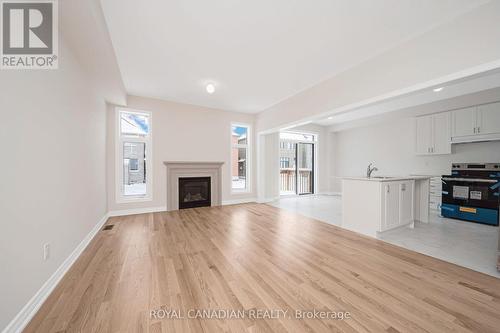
(406, 202)
(397, 204)
(371, 205)
(390, 205)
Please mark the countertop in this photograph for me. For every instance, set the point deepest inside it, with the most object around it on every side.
(387, 178)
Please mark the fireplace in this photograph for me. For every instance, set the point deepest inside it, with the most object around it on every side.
(190, 169)
(194, 192)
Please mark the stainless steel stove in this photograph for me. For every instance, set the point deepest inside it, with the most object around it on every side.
(471, 192)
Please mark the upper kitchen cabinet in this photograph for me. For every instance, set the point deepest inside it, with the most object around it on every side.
(424, 137)
(433, 134)
(441, 133)
(463, 122)
(480, 123)
(488, 119)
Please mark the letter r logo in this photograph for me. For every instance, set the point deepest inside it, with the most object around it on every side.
(27, 27)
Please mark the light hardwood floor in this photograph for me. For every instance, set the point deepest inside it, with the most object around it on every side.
(255, 256)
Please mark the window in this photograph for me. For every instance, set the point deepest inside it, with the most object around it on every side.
(133, 164)
(134, 124)
(293, 136)
(284, 162)
(240, 156)
(133, 154)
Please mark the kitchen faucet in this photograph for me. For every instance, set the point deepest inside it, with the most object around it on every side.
(369, 170)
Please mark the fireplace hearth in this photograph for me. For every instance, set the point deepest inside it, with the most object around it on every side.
(194, 192)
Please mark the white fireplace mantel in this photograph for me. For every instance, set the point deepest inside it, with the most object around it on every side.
(178, 169)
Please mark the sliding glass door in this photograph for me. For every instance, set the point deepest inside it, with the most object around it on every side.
(305, 168)
(296, 163)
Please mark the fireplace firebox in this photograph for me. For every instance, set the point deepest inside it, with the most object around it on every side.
(194, 192)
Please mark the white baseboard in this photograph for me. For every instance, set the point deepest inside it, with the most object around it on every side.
(238, 201)
(124, 212)
(331, 193)
(30, 309)
(266, 200)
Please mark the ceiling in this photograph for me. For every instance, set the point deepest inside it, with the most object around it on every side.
(474, 90)
(257, 52)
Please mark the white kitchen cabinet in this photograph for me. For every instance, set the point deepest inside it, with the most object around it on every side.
(397, 203)
(441, 133)
(424, 139)
(433, 135)
(480, 123)
(390, 205)
(464, 122)
(488, 119)
(374, 205)
(406, 202)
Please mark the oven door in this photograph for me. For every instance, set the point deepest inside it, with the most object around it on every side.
(471, 192)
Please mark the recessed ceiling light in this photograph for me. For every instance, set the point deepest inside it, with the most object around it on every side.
(210, 87)
(438, 89)
(330, 118)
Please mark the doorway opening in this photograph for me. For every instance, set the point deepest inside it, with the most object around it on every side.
(297, 163)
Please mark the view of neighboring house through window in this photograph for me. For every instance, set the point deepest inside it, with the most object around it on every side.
(239, 157)
(134, 164)
(134, 145)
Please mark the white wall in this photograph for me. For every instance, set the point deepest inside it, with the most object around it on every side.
(53, 159)
(331, 181)
(270, 168)
(182, 132)
(53, 188)
(391, 146)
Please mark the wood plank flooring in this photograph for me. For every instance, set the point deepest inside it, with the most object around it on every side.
(257, 257)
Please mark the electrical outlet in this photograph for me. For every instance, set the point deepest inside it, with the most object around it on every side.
(46, 251)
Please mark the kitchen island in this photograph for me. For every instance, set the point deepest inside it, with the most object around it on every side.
(377, 204)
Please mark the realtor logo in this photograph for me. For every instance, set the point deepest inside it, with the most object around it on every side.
(29, 34)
